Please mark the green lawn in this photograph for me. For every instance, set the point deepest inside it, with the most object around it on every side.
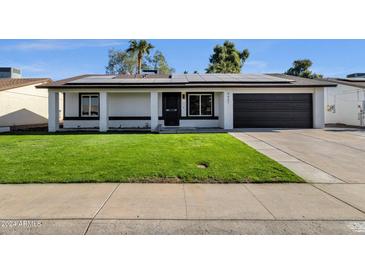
(134, 157)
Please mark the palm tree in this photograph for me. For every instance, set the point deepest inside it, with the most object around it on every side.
(140, 47)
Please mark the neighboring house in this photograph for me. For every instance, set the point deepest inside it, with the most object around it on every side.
(345, 104)
(10, 72)
(21, 104)
(227, 101)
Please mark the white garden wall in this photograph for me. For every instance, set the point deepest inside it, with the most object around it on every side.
(343, 105)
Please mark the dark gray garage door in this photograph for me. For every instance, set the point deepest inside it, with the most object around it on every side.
(272, 110)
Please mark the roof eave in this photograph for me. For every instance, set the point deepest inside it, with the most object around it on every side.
(188, 86)
(351, 84)
(35, 82)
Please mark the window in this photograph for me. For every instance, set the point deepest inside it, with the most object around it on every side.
(200, 104)
(90, 105)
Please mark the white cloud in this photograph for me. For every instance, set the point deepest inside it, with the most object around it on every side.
(61, 44)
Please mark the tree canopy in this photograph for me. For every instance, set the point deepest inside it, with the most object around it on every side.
(121, 62)
(158, 62)
(139, 48)
(227, 59)
(137, 57)
(301, 68)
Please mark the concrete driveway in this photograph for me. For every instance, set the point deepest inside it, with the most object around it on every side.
(317, 155)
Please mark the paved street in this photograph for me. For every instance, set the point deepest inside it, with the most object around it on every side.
(182, 209)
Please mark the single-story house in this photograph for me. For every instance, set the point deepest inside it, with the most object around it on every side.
(153, 101)
(345, 104)
(21, 104)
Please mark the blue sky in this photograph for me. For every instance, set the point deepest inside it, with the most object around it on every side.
(64, 58)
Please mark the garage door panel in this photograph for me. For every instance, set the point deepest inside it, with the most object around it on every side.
(273, 96)
(272, 110)
(279, 115)
(273, 124)
(273, 107)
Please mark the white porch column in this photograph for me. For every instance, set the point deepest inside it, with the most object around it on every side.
(154, 110)
(53, 111)
(318, 108)
(228, 110)
(103, 116)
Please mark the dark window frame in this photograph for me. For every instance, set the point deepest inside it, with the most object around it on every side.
(188, 104)
(90, 94)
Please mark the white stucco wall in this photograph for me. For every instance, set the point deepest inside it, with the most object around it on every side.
(228, 110)
(137, 102)
(119, 104)
(71, 104)
(25, 105)
(183, 104)
(154, 110)
(81, 124)
(220, 101)
(160, 104)
(129, 104)
(216, 103)
(129, 123)
(318, 108)
(343, 105)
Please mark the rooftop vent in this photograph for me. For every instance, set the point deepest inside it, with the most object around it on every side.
(149, 71)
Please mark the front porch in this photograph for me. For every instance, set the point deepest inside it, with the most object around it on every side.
(155, 111)
(172, 130)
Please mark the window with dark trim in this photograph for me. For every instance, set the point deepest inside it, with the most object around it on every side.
(200, 104)
(89, 106)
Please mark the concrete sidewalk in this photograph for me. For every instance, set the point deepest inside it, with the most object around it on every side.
(182, 209)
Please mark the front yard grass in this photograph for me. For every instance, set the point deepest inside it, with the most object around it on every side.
(134, 157)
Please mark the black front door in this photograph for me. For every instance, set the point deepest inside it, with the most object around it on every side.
(171, 108)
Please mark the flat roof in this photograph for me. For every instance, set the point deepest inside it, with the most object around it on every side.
(187, 80)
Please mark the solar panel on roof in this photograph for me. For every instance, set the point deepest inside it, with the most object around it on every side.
(183, 78)
(99, 77)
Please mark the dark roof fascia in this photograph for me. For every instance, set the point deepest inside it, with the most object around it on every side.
(189, 86)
